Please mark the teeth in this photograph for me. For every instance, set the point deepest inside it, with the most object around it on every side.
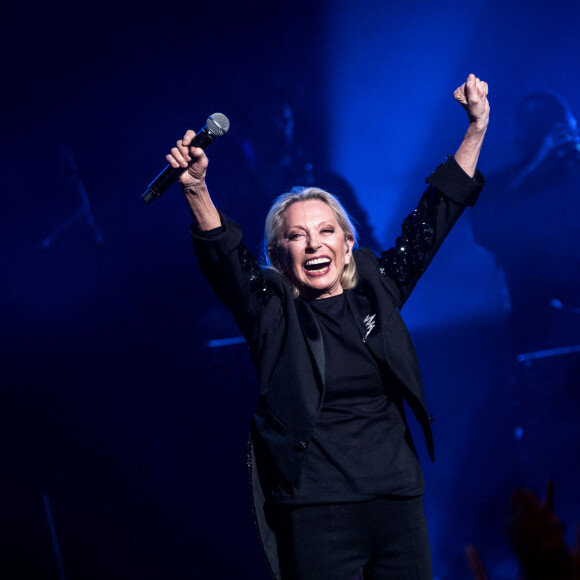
(317, 261)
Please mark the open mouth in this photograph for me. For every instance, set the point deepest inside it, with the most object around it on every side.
(317, 265)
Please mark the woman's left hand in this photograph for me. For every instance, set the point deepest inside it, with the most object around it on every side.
(472, 95)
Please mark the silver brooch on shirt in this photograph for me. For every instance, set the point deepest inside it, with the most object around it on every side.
(369, 323)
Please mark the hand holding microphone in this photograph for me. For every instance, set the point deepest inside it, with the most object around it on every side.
(190, 160)
(181, 161)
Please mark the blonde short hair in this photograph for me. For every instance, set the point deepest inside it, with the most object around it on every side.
(273, 228)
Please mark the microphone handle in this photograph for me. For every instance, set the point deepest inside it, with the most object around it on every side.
(170, 175)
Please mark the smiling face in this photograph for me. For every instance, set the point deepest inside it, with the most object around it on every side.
(313, 249)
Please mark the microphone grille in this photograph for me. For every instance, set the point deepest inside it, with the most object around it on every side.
(218, 124)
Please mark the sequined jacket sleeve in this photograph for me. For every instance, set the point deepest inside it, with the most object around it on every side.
(423, 231)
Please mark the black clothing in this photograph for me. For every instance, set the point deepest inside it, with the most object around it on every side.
(285, 340)
(385, 538)
(361, 447)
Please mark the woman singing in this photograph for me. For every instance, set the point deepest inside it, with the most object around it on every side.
(336, 482)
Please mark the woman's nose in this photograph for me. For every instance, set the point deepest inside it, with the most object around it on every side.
(313, 243)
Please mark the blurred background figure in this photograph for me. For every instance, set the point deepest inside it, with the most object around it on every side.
(276, 151)
(537, 538)
(528, 221)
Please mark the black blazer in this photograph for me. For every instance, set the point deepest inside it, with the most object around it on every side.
(285, 341)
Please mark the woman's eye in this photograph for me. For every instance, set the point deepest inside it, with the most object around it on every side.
(328, 231)
(293, 236)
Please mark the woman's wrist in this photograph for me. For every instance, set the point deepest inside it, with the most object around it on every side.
(478, 126)
(194, 189)
(202, 208)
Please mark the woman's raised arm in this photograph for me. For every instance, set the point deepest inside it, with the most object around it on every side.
(473, 98)
(193, 182)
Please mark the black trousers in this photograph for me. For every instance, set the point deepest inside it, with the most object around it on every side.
(380, 539)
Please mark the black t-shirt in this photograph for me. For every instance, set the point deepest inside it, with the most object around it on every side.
(361, 447)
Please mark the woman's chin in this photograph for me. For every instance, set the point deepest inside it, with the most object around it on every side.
(318, 289)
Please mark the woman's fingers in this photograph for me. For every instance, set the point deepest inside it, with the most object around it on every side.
(179, 156)
(473, 88)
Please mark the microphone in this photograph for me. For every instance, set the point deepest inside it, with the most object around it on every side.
(215, 126)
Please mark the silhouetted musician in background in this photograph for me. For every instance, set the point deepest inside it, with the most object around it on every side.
(529, 221)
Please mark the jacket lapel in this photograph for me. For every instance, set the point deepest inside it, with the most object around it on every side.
(313, 336)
